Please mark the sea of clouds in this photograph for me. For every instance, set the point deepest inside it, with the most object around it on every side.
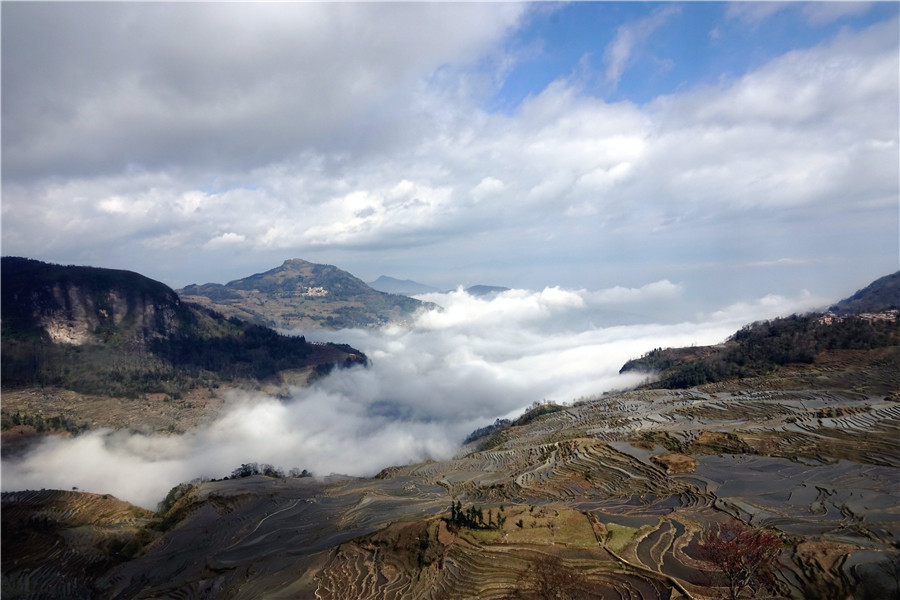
(429, 384)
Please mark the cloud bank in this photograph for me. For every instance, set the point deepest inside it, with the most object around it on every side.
(428, 386)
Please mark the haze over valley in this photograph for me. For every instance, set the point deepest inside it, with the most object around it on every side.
(456, 367)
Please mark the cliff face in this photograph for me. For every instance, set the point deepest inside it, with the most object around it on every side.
(83, 305)
(79, 317)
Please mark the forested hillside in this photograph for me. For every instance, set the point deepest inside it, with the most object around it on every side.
(758, 348)
(118, 333)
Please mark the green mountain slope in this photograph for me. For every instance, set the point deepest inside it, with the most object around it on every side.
(881, 294)
(304, 295)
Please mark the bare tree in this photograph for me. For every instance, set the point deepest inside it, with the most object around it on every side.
(747, 558)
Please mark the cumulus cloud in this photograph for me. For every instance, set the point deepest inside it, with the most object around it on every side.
(823, 13)
(225, 240)
(427, 387)
(651, 291)
(755, 13)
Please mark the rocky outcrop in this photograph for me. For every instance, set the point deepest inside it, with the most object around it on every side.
(81, 318)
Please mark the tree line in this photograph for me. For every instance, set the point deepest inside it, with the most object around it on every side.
(250, 469)
(40, 422)
(474, 517)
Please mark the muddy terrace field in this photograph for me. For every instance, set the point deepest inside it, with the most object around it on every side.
(614, 492)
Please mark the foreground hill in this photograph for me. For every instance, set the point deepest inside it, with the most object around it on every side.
(303, 295)
(89, 335)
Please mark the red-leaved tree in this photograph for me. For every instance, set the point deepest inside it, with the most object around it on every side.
(746, 557)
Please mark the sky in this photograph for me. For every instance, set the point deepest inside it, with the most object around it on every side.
(734, 149)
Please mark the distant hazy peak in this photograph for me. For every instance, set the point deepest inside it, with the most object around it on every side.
(392, 285)
(485, 290)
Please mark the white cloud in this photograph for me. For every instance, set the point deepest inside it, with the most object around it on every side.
(755, 13)
(487, 187)
(658, 290)
(619, 53)
(233, 84)
(229, 239)
(783, 262)
(428, 386)
(823, 13)
(771, 305)
(815, 13)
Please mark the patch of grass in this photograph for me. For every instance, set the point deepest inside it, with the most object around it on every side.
(648, 440)
(541, 525)
(619, 536)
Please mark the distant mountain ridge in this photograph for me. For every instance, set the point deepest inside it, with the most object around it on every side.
(393, 285)
(304, 295)
(486, 290)
(407, 287)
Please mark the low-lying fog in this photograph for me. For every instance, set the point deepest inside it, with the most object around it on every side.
(428, 386)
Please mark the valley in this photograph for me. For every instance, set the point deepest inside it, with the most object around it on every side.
(619, 494)
(104, 348)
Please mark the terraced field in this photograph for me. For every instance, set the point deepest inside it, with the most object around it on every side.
(54, 542)
(608, 498)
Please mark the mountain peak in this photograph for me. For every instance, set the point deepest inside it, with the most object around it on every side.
(301, 294)
(295, 262)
